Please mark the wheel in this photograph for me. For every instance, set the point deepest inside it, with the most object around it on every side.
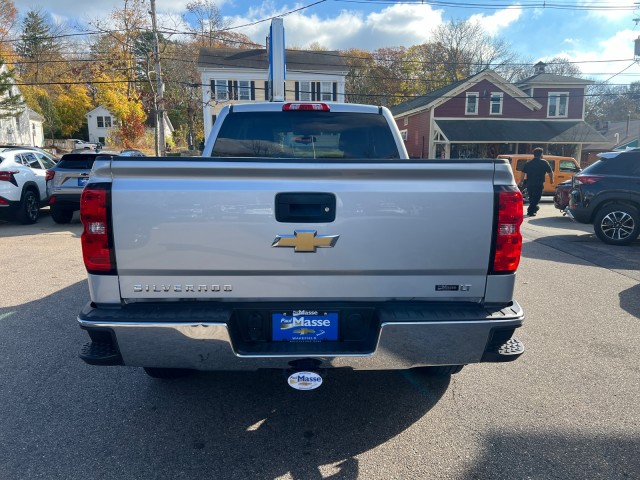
(61, 215)
(617, 224)
(29, 208)
(167, 373)
(440, 370)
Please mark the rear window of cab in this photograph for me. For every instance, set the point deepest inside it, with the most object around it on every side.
(305, 134)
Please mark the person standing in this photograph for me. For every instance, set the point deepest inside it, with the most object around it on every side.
(534, 173)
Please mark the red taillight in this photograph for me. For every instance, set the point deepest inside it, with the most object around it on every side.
(96, 249)
(3, 202)
(318, 107)
(585, 179)
(508, 240)
(49, 175)
(8, 176)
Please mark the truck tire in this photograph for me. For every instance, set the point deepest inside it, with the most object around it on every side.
(167, 373)
(29, 208)
(617, 224)
(61, 215)
(440, 370)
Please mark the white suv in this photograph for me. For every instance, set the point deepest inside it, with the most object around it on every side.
(23, 184)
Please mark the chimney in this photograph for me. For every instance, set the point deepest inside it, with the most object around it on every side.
(539, 68)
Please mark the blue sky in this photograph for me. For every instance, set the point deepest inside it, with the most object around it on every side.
(598, 34)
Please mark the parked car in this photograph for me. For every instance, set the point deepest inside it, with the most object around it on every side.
(65, 182)
(40, 153)
(561, 198)
(82, 144)
(131, 152)
(23, 188)
(563, 169)
(607, 194)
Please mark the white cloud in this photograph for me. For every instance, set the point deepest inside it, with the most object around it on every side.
(610, 9)
(393, 26)
(493, 24)
(607, 58)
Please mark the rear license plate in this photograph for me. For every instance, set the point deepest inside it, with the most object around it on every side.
(82, 181)
(304, 326)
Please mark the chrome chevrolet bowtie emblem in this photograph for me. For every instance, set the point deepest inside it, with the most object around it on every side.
(305, 240)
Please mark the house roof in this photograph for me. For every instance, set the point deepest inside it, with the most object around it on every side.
(99, 107)
(296, 60)
(35, 116)
(526, 131)
(618, 134)
(553, 79)
(424, 100)
(433, 99)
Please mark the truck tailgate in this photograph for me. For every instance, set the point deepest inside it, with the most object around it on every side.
(205, 229)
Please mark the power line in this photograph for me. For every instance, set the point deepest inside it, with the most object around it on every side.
(592, 6)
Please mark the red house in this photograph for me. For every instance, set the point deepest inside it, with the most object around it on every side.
(484, 116)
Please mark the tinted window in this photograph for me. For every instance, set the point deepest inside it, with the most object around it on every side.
(305, 135)
(620, 165)
(81, 161)
(520, 165)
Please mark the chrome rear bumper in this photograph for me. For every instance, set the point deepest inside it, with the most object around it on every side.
(406, 337)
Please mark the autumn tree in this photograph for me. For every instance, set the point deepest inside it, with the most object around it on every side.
(210, 29)
(359, 83)
(8, 16)
(606, 102)
(114, 76)
(183, 94)
(118, 41)
(465, 48)
(563, 66)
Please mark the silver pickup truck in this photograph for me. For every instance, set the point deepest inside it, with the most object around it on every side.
(303, 239)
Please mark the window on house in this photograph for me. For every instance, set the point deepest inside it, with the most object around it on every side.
(244, 90)
(221, 90)
(104, 122)
(472, 103)
(558, 104)
(306, 92)
(326, 91)
(404, 134)
(496, 103)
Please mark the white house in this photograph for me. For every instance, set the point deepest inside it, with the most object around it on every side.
(100, 122)
(235, 75)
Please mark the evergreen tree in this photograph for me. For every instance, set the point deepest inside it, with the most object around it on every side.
(36, 42)
(11, 103)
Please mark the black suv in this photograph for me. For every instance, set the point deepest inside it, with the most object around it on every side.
(607, 194)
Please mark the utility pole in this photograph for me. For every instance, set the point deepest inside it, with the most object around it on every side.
(159, 94)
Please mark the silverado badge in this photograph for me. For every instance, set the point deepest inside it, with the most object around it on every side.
(305, 241)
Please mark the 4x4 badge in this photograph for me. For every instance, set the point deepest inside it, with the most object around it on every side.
(305, 241)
